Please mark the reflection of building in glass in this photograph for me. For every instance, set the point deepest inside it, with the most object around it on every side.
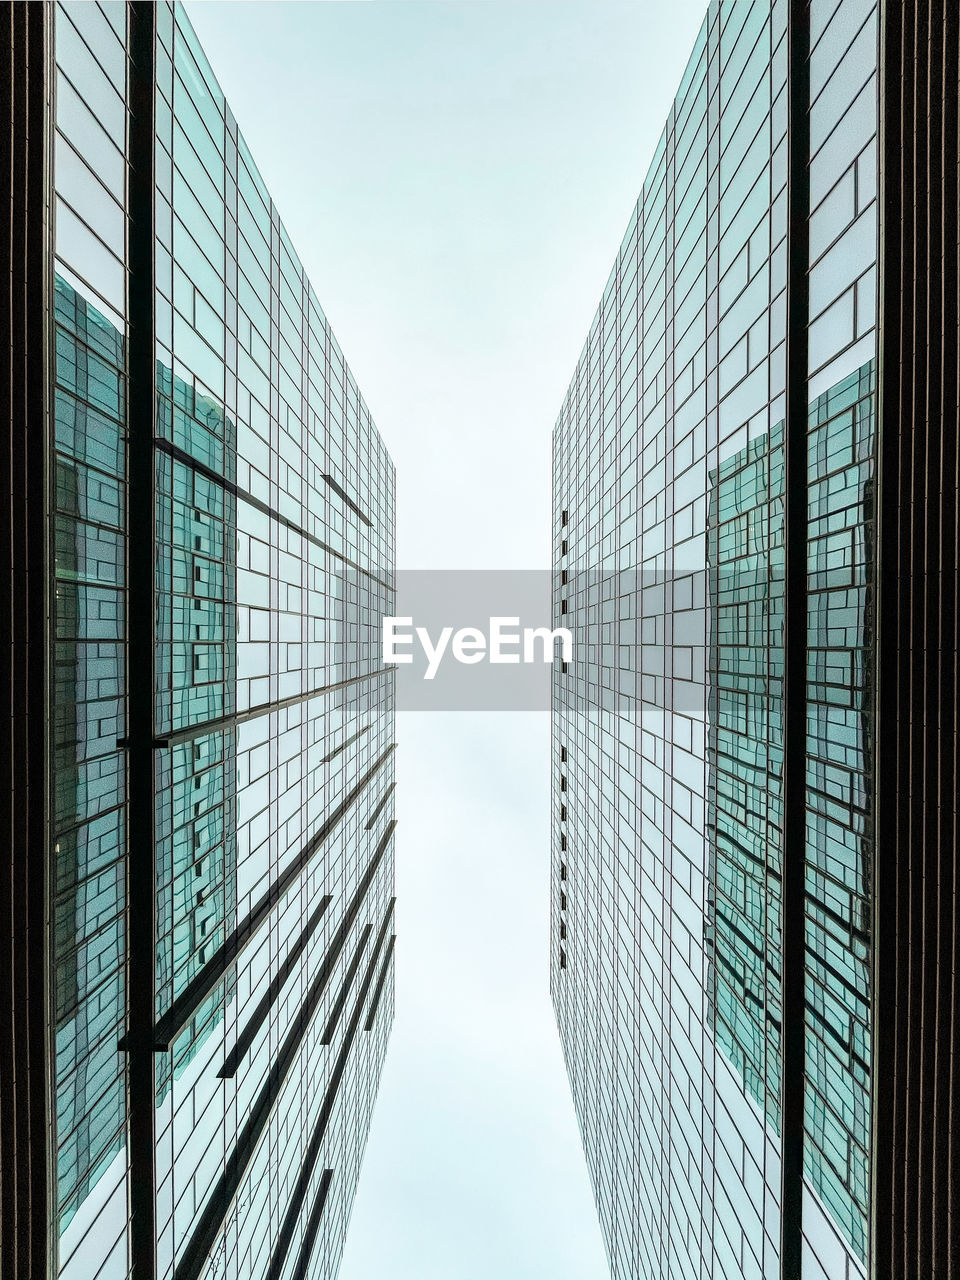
(89, 820)
(220, 865)
(745, 762)
(842, 449)
(196, 657)
(749, 1058)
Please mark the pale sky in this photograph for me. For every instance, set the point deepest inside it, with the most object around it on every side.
(456, 176)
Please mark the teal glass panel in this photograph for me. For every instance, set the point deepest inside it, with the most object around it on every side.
(841, 462)
(745, 752)
(88, 769)
(196, 531)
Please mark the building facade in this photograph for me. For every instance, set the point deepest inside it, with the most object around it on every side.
(755, 783)
(208, 742)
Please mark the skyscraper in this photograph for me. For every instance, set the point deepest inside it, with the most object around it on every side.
(753, 959)
(199, 982)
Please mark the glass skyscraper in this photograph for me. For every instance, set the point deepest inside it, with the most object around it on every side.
(215, 875)
(728, 554)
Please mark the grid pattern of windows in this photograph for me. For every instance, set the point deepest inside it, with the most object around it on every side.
(273, 718)
(839, 800)
(683, 369)
(89, 819)
(745, 757)
(274, 501)
(842, 445)
(668, 734)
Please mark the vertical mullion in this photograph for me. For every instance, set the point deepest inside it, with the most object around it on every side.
(27, 1151)
(795, 634)
(949, 780)
(888, 901)
(929, 265)
(141, 852)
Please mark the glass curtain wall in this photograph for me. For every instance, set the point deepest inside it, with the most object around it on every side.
(667, 743)
(273, 718)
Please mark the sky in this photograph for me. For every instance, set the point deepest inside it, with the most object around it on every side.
(456, 176)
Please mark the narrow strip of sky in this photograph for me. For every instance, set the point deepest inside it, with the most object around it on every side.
(457, 178)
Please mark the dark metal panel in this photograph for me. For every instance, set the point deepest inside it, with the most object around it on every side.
(183, 1008)
(295, 1205)
(141, 489)
(197, 1249)
(313, 1227)
(795, 636)
(916, 1196)
(26, 89)
(381, 983)
(262, 1011)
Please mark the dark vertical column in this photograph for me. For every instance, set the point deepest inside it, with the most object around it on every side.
(917, 283)
(916, 1125)
(141, 369)
(26, 89)
(890, 925)
(946, 1201)
(795, 631)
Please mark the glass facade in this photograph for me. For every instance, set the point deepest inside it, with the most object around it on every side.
(668, 734)
(745, 575)
(90, 819)
(273, 719)
(839, 843)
